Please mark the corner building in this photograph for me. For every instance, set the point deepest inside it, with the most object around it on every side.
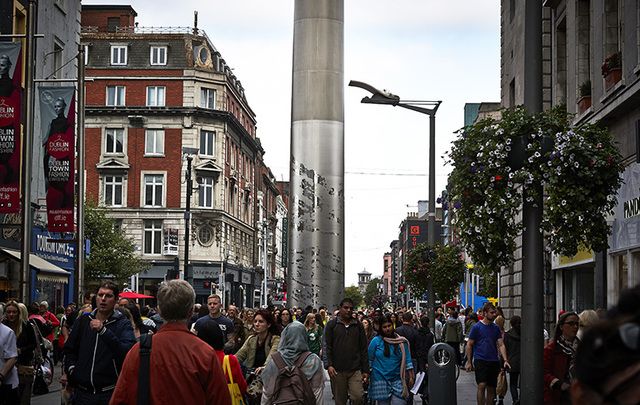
(155, 96)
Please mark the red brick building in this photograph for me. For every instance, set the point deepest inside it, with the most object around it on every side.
(151, 93)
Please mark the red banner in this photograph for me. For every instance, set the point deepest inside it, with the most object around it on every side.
(59, 159)
(10, 126)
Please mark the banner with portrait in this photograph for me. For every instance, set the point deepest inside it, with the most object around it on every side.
(57, 116)
(11, 93)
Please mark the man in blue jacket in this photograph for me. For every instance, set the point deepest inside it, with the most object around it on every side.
(96, 349)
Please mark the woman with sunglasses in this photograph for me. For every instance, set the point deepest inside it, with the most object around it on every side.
(559, 360)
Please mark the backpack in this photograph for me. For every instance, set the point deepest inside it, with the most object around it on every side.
(292, 386)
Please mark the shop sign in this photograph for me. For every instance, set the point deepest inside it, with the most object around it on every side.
(170, 239)
(57, 252)
(625, 232)
(582, 257)
(246, 278)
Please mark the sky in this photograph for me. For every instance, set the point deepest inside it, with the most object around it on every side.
(417, 49)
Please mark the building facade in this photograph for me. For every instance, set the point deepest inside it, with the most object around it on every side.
(158, 98)
(52, 263)
(364, 277)
(387, 274)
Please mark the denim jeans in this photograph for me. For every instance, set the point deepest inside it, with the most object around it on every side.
(392, 401)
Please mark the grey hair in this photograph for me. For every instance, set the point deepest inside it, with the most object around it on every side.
(5, 56)
(175, 300)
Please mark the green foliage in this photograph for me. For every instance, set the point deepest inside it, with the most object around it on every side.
(353, 292)
(112, 253)
(580, 175)
(442, 265)
(585, 88)
(371, 294)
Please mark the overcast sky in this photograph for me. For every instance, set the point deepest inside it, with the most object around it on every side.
(417, 49)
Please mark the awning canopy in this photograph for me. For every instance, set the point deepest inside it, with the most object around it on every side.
(46, 271)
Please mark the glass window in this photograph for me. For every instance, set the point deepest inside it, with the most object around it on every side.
(114, 141)
(153, 186)
(113, 191)
(158, 55)
(206, 192)
(115, 95)
(154, 142)
(118, 54)
(155, 96)
(57, 60)
(208, 98)
(152, 237)
(207, 143)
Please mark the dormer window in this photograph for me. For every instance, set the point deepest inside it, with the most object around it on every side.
(119, 55)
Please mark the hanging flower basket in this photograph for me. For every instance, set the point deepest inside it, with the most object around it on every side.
(580, 175)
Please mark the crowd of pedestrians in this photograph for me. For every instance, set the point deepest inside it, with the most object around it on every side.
(112, 351)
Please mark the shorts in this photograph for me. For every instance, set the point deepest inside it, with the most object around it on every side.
(487, 372)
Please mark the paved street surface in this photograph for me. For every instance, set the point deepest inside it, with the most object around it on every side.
(466, 392)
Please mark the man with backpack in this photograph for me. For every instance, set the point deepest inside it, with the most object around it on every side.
(294, 375)
(181, 368)
(347, 359)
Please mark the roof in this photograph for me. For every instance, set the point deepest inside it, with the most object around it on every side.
(108, 7)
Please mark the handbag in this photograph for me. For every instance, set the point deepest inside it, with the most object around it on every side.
(501, 387)
(234, 390)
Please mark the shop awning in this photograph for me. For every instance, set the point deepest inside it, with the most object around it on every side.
(46, 271)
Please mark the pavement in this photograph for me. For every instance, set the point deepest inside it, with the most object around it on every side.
(466, 391)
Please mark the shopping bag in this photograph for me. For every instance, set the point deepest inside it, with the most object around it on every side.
(501, 388)
(234, 390)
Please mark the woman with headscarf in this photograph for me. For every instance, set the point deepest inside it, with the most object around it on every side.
(211, 333)
(559, 360)
(293, 343)
(390, 360)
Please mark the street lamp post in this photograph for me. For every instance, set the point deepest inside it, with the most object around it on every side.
(384, 97)
(189, 152)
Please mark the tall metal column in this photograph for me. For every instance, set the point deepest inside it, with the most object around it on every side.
(431, 230)
(532, 248)
(316, 225)
(27, 142)
(187, 219)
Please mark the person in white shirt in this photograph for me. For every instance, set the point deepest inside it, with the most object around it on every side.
(8, 359)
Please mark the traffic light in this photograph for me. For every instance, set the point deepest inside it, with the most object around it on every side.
(401, 288)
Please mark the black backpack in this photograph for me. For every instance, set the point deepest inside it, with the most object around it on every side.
(292, 386)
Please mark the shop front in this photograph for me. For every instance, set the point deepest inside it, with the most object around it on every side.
(53, 289)
(575, 281)
(623, 264)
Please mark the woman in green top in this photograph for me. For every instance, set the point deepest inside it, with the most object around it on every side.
(314, 334)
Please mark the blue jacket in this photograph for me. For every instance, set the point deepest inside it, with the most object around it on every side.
(93, 360)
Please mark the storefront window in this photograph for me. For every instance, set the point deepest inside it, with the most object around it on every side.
(622, 269)
(578, 289)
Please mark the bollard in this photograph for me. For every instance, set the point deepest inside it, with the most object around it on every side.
(442, 375)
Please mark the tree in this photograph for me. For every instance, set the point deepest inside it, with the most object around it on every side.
(112, 253)
(371, 293)
(353, 292)
(442, 265)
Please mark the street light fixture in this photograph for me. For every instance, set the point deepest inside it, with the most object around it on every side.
(385, 97)
(188, 153)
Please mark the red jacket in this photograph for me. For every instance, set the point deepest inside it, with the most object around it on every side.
(236, 371)
(55, 322)
(556, 365)
(183, 370)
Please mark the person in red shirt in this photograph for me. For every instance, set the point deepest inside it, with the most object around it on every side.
(50, 318)
(211, 334)
(183, 368)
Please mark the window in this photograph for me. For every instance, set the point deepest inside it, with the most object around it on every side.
(207, 98)
(155, 96)
(113, 191)
(154, 142)
(57, 60)
(207, 143)
(114, 141)
(113, 23)
(115, 95)
(118, 54)
(205, 235)
(206, 192)
(152, 237)
(153, 185)
(158, 55)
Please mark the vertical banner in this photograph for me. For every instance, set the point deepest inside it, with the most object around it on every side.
(57, 115)
(10, 125)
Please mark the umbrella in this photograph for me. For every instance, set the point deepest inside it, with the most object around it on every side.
(133, 295)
